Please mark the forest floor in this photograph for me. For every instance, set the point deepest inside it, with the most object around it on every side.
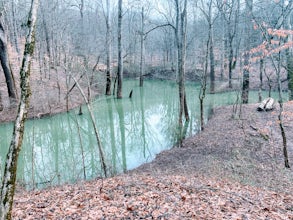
(234, 169)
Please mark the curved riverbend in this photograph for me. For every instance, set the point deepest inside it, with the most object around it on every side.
(63, 148)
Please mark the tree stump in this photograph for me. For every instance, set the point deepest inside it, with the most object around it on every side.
(267, 104)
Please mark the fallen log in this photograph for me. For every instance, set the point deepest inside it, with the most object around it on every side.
(266, 105)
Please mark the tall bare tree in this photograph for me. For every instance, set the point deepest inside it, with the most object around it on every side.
(142, 48)
(5, 61)
(46, 30)
(289, 55)
(9, 178)
(14, 27)
(208, 14)
(108, 48)
(180, 33)
(120, 58)
(230, 10)
(245, 85)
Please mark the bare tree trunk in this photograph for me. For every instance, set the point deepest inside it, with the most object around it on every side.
(5, 63)
(203, 85)
(210, 45)
(183, 38)
(142, 49)
(230, 14)
(290, 74)
(261, 71)
(230, 57)
(120, 58)
(108, 49)
(224, 48)
(289, 55)
(245, 85)
(212, 62)
(280, 116)
(93, 120)
(47, 36)
(9, 178)
(181, 18)
(15, 29)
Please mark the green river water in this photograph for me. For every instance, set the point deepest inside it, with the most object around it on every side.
(63, 148)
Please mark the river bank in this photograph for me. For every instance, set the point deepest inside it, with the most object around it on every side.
(227, 171)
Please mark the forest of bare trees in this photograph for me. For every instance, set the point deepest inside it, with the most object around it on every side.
(91, 46)
(88, 32)
(139, 38)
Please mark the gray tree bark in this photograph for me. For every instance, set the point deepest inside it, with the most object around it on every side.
(93, 120)
(120, 58)
(5, 63)
(9, 177)
(261, 72)
(108, 49)
(208, 15)
(46, 31)
(15, 35)
(245, 85)
(289, 55)
(230, 14)
(180, 32)
(212, 62)
(142, 49)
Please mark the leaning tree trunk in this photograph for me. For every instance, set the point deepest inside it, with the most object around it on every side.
(9, 178)
(92, 117)
(5, 63)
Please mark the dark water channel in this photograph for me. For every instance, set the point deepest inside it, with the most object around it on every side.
(63, 148)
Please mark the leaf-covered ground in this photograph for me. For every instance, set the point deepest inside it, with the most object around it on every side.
(232, 170)
(154, 197)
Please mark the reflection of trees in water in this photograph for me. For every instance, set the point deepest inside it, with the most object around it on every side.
(112, 137)
(136, 132)
(120, 110)
(81, 146)
(32, 157)
(54, 153)
(91, 153)
(169, 113)
(142, 99)
(67, 153)
(133, 132)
